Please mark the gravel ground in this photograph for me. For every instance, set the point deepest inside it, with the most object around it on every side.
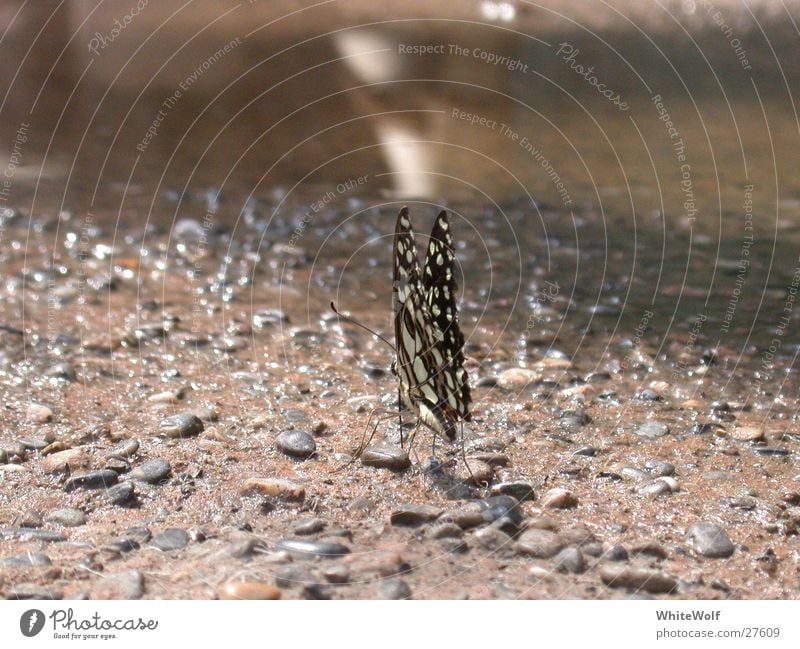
(174, 430)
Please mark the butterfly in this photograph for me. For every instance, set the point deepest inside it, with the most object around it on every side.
(429, 362)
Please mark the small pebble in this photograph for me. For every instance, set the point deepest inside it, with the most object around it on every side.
(302, 549)
(651, 581)
(25, 560)
(120, 494)
(293, 575)
(182, 425)
(310, 526)
(383, 455)
(747, 434)
(652, 430)
(414, 515)
(92, 480)
(539, 543)
(659, 468)
(493, 539)
(296, 443)
(31, 534)
(394, 588)
(33, 591)
(67, 517)
(73, 458)
(710, 540)
(559, 498)
(125, 449)
(275, 488)
(520, 490)
(476, 472)
(38, 414)
(152, 471)
(122, 585)
(170, 539)
(570, 560)
(248, 590)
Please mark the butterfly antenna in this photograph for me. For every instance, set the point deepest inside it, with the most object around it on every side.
(358, 324)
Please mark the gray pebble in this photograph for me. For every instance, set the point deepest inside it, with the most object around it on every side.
(652, 581)
(26, 559)
(182, 425)
(296, 443)
(445, 531)
(655, 488)
(125, 449)
(310, 526)
(414, 515)
(394, 588)
(91, 480)
(302, 549)
(570, 560)
(152, 471)
(171, 539)
(649, 395)
(539, 543)
(123, 545)
(710, 540)
(586, 451)
(33, 591)
(121, 493)
(652, 430)
(29, 519)
(31, 534)
(123, 585)
(616, 552)
(383, 455)
(659, 468)
(63, 371)
(67, 517)
(521, 490)
(293, 575)
(493, 539)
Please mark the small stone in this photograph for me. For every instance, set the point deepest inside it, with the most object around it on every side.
(123, 545)
(152, 471)
(293, 575)
(29, 519)
(337, 573)
(182, 425)
(577, 536)
(125, 449)
(516, 378)
(445, 530)
(122, 585)
(649, 547)
(414, 515)
(170, 539)
(616, 552)
(38, 414)
(659, 468)
(121, 493)
(385, 563)
(710, 540)
(747, 434)
(33, 591)
(520, 490)
(296, 443)
(310, 526)
(655, 488)
(384, 455)
(493, 539)
(539, 543)
(559, 498)
(73, 458)
(92, 480)
(275, 488)
(652, 430)
(476, 472)
(12, 449)
(25, 560)
(67, 517)
(394, 588)
(31, 534)
(168, 396)
(570, 560)
(651, 581)
(303, 549)
(248, 590)
(649, 394)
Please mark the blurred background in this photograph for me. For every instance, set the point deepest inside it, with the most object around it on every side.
(278, 94)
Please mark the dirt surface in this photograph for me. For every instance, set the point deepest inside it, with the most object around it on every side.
(613, 436)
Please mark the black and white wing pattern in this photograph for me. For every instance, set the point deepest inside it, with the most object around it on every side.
(430, 357)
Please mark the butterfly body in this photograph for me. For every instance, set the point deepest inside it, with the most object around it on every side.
(429, 365)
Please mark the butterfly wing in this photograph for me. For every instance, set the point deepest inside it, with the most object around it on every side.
(419, 355)
(439, 284)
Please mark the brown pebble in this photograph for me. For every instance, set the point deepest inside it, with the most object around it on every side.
(747, 434)
(248, 590)
(38, 414)
(74, 458)
(559, 499)
(275, 487)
